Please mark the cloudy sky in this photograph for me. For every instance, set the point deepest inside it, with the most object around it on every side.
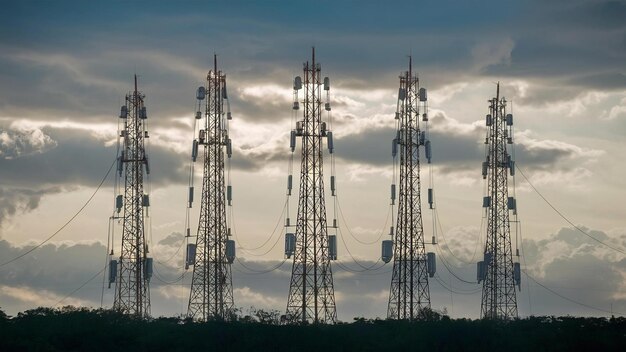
(65, 68)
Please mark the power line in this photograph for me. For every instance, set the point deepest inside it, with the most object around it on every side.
(365, 269)
(564, 217)
(247, 250)
(440, 281)
(350, 232)
(268, 250)
(81, 286)
(178, 279)
(567, 298)
(173, 255)
(352, 257)
(447, 245)
(66, 223)
(375, 271)
(254, 271)
(446, 265)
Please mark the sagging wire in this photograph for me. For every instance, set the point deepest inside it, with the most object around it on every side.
(447, 246)
(249, 250)
(564, 217)
(352, 234)
(353, 258)
(373, 271)
(439, 279)
(255, 271)
(66, 223)
(447, 266)
(81, 286)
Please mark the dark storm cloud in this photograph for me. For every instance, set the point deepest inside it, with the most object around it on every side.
(542, 94)
(611, 80)
(86, 76)
(588, 13)
(267, 108)
(457, 147)
(78, 158)
(369, 147)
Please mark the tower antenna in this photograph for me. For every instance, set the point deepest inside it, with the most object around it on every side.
(132, 293)
(211, 295)
(311, 292)
(409, 293)
(497, 271)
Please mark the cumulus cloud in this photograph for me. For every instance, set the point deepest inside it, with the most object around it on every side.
(172, 240)
(579, 267)
(19, 142)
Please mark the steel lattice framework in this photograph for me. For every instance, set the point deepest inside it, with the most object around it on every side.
(498, 296)
(132, 293)
(409, 292)
(311, 293)
(211, 295)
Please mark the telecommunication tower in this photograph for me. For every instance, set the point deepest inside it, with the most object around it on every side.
(409, 293)
(497, 271)
(211, 295)
(133, 271)
(311, 293)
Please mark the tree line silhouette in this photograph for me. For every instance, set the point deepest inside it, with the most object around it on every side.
(82, 329)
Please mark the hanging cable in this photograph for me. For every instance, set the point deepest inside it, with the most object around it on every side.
(254, 271)
(247, 250)
(369, 269)
(447, 266)
(375, 271)
(456, 291)
(268, 250)
(350, 232)
(178, 279)
(106, 258)
(351, 256)
(68, 221)
(164, 263)
(447, 246)
(530, 306)
(567, 298)
(564, 217)
(81, 286)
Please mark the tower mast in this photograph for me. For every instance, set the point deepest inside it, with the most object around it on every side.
(132, 293)
(311, 293)
(211, 295)
(498, 273)
(409, 293)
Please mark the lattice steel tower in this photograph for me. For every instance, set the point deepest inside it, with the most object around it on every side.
(311, 293)
(132, 292)
(497, 271)
(409, 293)
(211, 295)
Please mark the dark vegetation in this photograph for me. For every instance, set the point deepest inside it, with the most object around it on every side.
(80, 329)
